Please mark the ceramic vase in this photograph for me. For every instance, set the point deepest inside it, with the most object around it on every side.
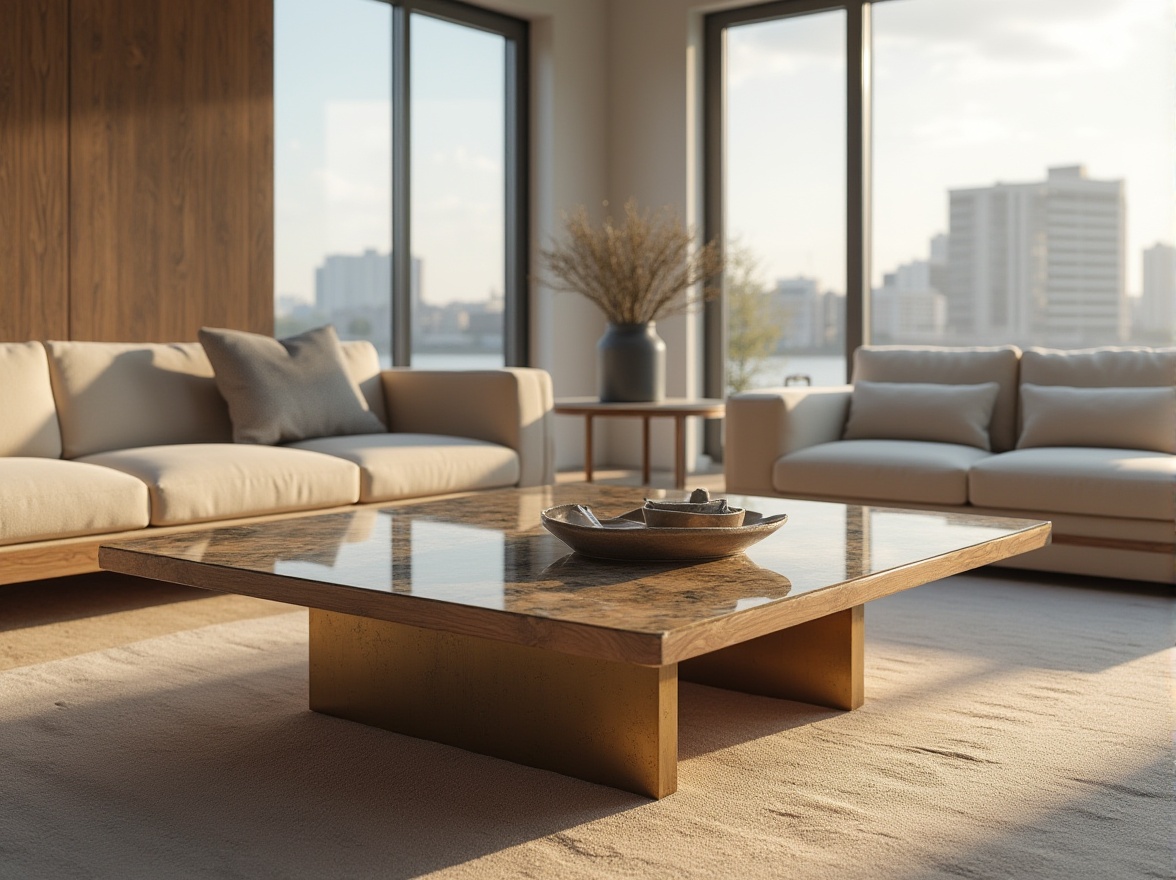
(632, 359)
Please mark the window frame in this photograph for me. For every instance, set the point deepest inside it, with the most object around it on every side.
(516, 213)
(859, 74)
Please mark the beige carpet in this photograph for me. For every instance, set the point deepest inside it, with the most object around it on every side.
(1011, 730)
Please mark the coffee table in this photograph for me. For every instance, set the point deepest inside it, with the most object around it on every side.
(462, 620)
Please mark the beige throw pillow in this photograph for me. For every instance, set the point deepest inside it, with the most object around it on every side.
(282, 390)
(1111, 418)
(922, 411)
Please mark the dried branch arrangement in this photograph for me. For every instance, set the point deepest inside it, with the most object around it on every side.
(643, 269)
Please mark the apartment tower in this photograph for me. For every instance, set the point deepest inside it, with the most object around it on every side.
(1038, 263)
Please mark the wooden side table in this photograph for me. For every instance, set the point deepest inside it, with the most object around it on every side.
(677, 408)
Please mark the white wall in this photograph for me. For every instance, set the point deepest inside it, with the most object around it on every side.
(569, 167)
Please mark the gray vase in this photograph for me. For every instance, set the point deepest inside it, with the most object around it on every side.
(632, 364)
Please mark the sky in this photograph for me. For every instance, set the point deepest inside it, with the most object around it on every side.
(966, 93)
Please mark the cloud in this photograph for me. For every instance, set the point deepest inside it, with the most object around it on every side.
(786, 47)
(967, 128)
(1006, 36)
(970, 39)
(462, 159)
(351, 187)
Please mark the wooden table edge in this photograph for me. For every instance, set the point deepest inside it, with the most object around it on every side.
(572, 637)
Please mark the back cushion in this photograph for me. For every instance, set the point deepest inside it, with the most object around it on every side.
(28, 415)
(933, 413)
(950, 366)
(1123, 417)
(124, 395)
(1099, 367)
(362, 363)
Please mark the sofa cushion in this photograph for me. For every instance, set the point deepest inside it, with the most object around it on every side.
(1094, 482)
(950, 366)
(363, 366)
(200, 482)
(1099, 367)
(921, 411)
(44, 498)
(894, 471)
(280, 390)
(396, 466)
(29, 426)
(118, 396)
(1117, 418)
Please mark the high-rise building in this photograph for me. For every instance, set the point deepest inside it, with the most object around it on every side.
(799, 310)
(1039, 262)
(347, 282)
(907, 307)
(1157, 305)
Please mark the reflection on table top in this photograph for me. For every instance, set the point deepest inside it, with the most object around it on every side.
(488, 552)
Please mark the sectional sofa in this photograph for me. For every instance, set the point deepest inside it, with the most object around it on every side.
(1086, 439)
(100, 441)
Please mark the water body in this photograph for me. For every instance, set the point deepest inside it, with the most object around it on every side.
(822, 369)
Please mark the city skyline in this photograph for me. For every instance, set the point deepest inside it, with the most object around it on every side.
(964, 95)
(1057, 242)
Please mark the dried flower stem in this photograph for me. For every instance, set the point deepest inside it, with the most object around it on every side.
(637, 272)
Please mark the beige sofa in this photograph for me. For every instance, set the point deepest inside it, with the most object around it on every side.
(101, 441)
(1085, 439)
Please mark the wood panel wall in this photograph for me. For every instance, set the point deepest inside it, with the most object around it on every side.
(136, 168)
(171, 159)
(34, 168)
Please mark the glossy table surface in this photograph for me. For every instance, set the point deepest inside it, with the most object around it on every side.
(483, 564)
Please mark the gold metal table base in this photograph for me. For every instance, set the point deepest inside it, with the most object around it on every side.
(599, 720)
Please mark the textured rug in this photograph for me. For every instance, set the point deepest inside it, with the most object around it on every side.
(1012, 729)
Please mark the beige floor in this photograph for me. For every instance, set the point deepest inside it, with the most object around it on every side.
(64, 617)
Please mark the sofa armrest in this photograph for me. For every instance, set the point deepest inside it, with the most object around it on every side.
(763, 425)
(511, 407)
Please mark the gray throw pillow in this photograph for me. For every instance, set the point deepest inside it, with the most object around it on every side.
(282, 390)
(921, 411)
(1112, 418)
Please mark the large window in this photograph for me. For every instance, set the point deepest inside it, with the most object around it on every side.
(1006, 176)
(785, 199)
(400, 172)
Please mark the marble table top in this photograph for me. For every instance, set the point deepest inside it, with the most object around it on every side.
(483, 564)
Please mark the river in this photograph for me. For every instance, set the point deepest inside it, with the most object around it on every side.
(822, 369)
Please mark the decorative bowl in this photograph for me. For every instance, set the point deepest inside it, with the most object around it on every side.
(629, 537)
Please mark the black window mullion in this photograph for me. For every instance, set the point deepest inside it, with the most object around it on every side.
(517, 196)
(714, 226)
(858, 183)
(401, 192)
